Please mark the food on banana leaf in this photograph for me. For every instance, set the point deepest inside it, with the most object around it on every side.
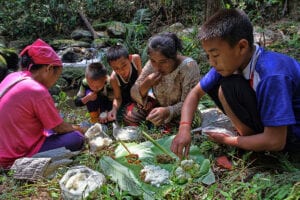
(155, 175)
(190, 170)
(164, 159)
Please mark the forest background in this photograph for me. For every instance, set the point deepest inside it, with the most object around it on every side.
(255, 176)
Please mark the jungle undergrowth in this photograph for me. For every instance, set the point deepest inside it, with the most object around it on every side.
(254, 175)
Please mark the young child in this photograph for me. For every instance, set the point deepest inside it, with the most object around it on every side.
(126, 69)
(95, 93)
(258, 90)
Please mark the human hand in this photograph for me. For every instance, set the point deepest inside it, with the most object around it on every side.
(218, 137)
(182, 142)
(82, 130)
(91, 96)
(154, 78)
(103, 117)
(112, 115)
(148, 105)
(158, 115)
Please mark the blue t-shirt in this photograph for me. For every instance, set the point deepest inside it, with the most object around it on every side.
(277, 89)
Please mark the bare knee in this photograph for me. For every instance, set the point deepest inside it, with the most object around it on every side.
(242, 128)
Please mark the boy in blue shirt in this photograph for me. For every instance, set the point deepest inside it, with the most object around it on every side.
(258, 90)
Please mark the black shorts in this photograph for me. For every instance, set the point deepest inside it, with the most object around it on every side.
(241, 98)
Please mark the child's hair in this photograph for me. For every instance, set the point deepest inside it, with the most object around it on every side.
(230, 25)
(95, 71)
(167, 43)
(115, 52)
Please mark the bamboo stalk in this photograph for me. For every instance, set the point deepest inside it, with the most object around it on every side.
(157, 144)
(122, 143)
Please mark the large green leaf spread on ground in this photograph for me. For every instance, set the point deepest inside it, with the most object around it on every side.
(127, 175)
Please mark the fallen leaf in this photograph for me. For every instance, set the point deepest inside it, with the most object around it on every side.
(223, 162)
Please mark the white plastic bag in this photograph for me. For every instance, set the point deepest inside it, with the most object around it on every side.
(79, 181)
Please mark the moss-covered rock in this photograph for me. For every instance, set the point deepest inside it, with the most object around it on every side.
(11, 57)
(64, 43)
(3, 68)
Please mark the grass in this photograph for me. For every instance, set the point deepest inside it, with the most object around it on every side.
(254, 175)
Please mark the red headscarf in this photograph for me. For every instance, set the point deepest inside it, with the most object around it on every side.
(42, 53)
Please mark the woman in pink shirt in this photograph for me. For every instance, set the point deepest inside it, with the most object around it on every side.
(27, 109)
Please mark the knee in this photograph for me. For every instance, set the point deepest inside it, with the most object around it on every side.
(77, 141)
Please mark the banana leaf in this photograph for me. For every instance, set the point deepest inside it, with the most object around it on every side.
(127, 175)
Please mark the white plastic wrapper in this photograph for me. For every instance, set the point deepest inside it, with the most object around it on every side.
(97, 138)
(128, 133)
(79, 181)
(214, 129)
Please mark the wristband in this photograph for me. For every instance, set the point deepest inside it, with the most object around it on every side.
(185, 123)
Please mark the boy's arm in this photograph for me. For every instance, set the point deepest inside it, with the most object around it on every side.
(138, 62)
(117, 92)
(81, 101)
(181, 143)
(80, 94)
(272, 139)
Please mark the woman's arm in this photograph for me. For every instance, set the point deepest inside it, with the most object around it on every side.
(142, 85)
(64, 127)
(191, 77)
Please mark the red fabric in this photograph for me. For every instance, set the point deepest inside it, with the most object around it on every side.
(251, 79)
(42, 53)
(25, 111)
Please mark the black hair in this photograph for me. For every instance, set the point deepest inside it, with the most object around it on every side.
(115, 52)
(166, 43)
(95, 71)
(230, 25)
(27, 63)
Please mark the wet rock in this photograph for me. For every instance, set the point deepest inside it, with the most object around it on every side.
(116, 29)
(62, 44)
(80, 34)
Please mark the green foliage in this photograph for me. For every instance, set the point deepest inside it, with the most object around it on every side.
(290, 47)
(191, 45)
(206, 102)
(38, 19)
(142, 16)
(136, 31)
(128, 175)
(259, 11)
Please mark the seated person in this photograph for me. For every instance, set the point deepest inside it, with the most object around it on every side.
(27, 108)
(95, 92)
(126, 69)
(259, 90)
(169, 75)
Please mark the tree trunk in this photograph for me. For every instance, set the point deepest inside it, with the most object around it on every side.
(88, 24)
(293, 8)
(211, 7)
